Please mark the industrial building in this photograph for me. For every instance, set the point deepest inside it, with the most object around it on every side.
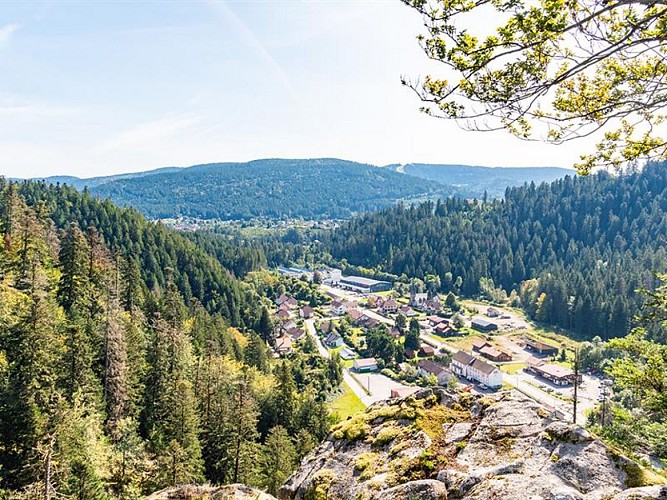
(364, 285)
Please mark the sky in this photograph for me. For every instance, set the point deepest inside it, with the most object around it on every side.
(96, 88)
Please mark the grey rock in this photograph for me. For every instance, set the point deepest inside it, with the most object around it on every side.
(426, 489)
(513, 450)
(192, 492)
(458, 432)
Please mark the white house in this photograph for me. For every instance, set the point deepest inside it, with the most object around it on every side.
(338, 307)
(470, 367)
(485, 373)
(418, 299)
(333, 340)
(389, 306)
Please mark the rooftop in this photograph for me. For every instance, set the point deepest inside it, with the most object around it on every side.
(365, 362)
(463, 358)
(483, 366)
(358, 280)
(431, 367)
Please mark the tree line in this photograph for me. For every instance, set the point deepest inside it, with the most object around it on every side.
(574, 252)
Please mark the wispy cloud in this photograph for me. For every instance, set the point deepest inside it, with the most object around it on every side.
(148, 133)
(252, 41)
(6, 33)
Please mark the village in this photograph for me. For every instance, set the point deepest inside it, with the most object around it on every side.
(435, 340)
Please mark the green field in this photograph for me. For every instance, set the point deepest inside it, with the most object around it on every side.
(512, 368)
(347, 404)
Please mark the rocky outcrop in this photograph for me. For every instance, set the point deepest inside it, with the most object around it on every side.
(436, 445)
(229, 492)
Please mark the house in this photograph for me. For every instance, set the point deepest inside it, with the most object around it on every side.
(288, 325)
(436, 320)
(460, 362)
(389, 306)
(284, 315)
(427, 367)
(395, 332)
(333, 340)
(407, 311)
(346, 353)
(426, 351)
(364, 285)
(472, 368)
(410, 353)
(494, 354)
(367, 322)
(485, 373)
(364, 365)
(354, 314)
(479, 344)
(492, 312)
(338, 307)
(284, 307)
(292, 302)
(307, 312)
(327, 327)
(281, 300)
(284, 346)
(432, 305)
(331, 276)
(418, 299)
(447, 331)
(540, 348)
(482, 325)
(373, 301)
(403, 392)
(296, 334)
(557, 374)
(443, 329)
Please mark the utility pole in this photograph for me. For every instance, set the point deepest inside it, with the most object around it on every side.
(576, 384)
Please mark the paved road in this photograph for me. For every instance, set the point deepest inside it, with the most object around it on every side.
(379, 317)
(310, 326)
(587, 394)
(377, 384)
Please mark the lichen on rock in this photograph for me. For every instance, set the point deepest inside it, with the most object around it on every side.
(436, 444)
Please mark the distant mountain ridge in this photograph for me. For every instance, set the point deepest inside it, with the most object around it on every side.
(273, 188)
(473, 181)
(91, 182)
(292, 188)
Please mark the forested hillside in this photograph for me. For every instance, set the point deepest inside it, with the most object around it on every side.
(149, 248)
(324, 188)
(118, 378)
(575, 251)
(472, 182)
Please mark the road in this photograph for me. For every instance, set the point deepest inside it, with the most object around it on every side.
(524, 382)
(377, 384)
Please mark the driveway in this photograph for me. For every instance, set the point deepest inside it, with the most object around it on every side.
(377, 384)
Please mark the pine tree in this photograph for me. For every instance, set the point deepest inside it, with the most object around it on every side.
(256, 353)
(412, 340)
(265, 327)
(278, 459)
(285, 397)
